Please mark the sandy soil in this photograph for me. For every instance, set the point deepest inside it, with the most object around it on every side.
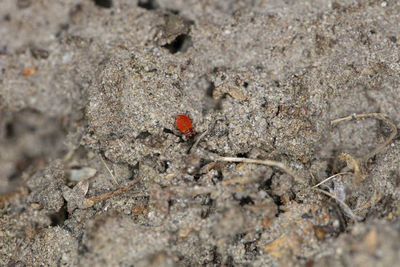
(94, 171)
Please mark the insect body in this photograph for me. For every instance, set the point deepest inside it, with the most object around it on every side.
(184, 125)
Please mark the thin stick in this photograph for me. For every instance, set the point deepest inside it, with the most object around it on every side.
(266, 162)
(198, 140)
(92, 200)
(331, 177)
(17, 247)
(108, 169)
(344, 206)
(378, 116)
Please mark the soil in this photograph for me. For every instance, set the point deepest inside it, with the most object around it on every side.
(94, 171)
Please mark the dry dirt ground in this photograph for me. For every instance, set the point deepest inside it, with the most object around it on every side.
(94, 172)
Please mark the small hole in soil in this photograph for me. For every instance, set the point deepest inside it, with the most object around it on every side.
(164, 165)
(83, 249)
(10, 132)
(279, 109)
(267, 185)
(219, 175)
(246, 201)
(307, 215)
(148, 4)
(278, 201)
(196, 176)
(58, 218)
(134, 170)
(181, 43)
(143, 135)
(7, 17)
(393, 39)
(210, 89)
(168, 131)
(217, 258)
(242, 155)
(103, 3)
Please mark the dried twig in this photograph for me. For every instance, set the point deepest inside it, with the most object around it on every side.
(378, 116)
(330, 177)
(92, 200)
(351, 161)
(346, 208)
(198, 140)
(108, 169)
(266, 162)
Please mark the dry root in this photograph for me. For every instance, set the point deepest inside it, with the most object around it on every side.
(377, 116)
(266, 162)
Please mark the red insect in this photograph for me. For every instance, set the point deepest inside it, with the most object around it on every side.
(184, 125)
